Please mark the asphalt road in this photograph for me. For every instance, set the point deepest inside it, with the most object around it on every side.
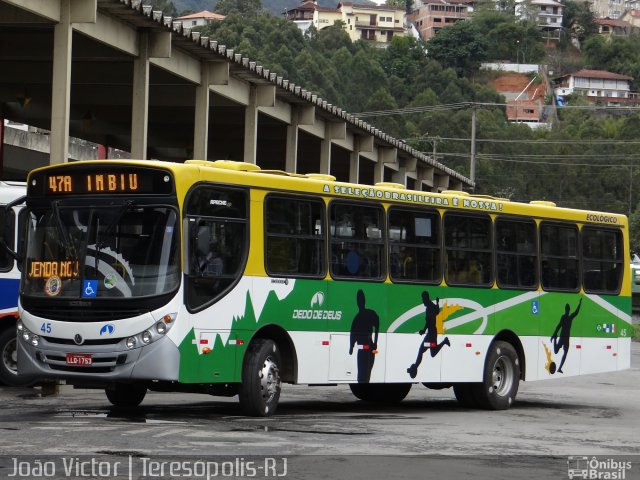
(324, 432)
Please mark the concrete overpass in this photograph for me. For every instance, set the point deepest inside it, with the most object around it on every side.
(121, 75)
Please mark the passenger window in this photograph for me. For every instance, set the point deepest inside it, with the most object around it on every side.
(6, 260)
(559, 257)
(468, 250)
(516, 254)
(294, 242)
(602, 260)
(414, 246)
(217, 242)
(357, 243)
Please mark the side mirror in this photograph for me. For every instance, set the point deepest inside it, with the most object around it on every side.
(8, 232)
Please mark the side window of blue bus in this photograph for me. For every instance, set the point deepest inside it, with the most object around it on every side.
(216, 240)
(602, 260)
(6, 261)
(294, 236)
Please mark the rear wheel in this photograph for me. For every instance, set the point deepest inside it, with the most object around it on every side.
(9, 361)
(380, 392)
(261, 383)
(501, 378)
(126, 395)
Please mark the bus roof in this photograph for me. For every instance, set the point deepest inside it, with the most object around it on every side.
(9, 190)
(228, 171)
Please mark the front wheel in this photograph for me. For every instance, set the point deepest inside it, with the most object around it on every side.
(9, 361)
(261, 383)
(126, 395)
(500, 379)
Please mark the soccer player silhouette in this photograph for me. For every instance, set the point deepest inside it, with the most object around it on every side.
(364, 324)
(564, 328)
(431, 337)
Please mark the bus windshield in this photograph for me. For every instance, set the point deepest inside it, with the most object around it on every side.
(122, 251)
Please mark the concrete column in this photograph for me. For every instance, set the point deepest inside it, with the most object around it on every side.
(291, 155)
(61, 86)
(354, 161)
(251, 128)
(201, 127)
(378, 170)
(325, 155)
(140, 101)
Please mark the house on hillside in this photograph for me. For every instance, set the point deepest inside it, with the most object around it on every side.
(632, 16)
(524, 98)
(608, 8)
(610, 27)
(198, 19)
(547, 14)
(599, 86)
(430, 16)
(378, 23)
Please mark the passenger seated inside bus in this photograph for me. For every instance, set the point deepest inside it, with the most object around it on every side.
(208, 253)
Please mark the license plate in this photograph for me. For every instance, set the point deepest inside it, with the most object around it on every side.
(79, 359)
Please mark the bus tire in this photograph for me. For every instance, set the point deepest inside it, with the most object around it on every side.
(464, 395)
(8, 361)
(261, 383)
(126, 395)
(500, 378)
(380, 392)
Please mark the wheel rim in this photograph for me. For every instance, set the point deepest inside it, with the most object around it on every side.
(269, 379)
(502, 376)
(10, 357)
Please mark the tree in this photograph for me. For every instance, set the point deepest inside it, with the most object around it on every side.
(460, 46)
(578, 20)
(246, 8)
(167, 7)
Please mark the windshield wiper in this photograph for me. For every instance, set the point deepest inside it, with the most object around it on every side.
(64, 235)
(123, 209)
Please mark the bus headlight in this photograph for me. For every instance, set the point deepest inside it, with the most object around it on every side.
(146, 336)
(26, 334)
(19, 326)
(35, 340)
(161, 328)
(131, 342)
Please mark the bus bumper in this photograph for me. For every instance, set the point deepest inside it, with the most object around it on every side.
(159, 360)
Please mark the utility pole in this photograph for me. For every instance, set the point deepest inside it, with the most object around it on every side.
(472, 168)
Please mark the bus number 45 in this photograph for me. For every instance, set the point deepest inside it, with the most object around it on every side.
(45, 328)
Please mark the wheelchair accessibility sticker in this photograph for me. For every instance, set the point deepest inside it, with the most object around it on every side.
(534, 307)
(90, 288)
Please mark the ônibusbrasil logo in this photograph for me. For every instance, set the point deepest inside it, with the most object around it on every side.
(595, 468)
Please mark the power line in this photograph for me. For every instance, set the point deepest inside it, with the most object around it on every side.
(461, 105)
(517, 141)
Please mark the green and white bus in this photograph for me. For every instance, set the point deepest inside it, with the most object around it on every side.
(222, 278)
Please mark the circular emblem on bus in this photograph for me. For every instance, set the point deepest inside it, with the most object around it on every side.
(53, 286)
(78, 339)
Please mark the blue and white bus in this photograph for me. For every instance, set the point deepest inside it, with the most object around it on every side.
(11, 222)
